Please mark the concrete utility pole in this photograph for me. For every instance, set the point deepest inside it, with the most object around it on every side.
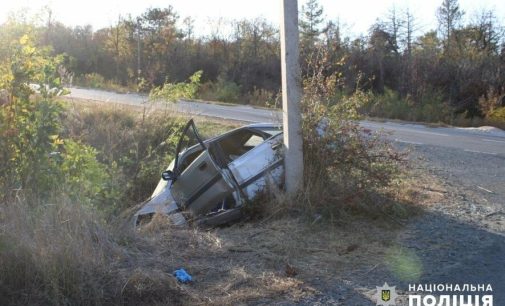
(291, 94)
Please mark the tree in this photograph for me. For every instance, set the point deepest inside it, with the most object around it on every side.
(256, 55)
(158, 34)
(459, 62)
(449, 16)
(189, 27)
(381, 49)
(117, 44)
(310, 21)
(488, 32)
(426, 66)
(407, 30)
(393, 25)
(332, 34)
(409, 26)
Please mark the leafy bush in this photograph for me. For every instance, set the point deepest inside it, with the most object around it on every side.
(498, 115)
(222, 90)
(347, 168)
(96, 80)
(172, 92)
(390, 105)
(92, 80)
(35, 160)
(497, 118)
(263, 97)
(432, 107)
(84, 178)
(428, 107)
(226, 91)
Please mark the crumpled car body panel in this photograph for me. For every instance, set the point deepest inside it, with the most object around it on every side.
(213, 179)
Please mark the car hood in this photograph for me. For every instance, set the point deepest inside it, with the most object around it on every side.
(162, 202)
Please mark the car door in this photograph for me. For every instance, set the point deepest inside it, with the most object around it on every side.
(260, 166)
(199, 186)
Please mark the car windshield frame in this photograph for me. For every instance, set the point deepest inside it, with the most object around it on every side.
(191, 128)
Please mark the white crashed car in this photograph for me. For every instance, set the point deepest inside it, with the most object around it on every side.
(210, 181)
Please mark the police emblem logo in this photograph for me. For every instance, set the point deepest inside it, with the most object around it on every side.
(386, 295)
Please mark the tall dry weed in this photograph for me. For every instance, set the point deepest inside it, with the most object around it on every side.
(64, 254)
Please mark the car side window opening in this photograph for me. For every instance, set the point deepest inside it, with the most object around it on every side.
(239, 143)
(253, 141)
(187, 160)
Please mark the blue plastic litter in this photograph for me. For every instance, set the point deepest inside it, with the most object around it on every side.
(182, 276)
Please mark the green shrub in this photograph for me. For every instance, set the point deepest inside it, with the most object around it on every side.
(36, 161)
(432, 107)
(429, 106)
(496, 118)
(84, 178)
(227, 91)
(171, 92)
(222, 90)
(390, 105)
(28, 138)
(497, 115)
(95, 80)
(92, 80)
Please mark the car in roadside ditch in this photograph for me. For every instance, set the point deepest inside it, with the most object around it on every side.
(210, 181)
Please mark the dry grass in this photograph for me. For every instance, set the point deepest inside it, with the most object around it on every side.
(211, 125)
(63, 254)
(273, 262)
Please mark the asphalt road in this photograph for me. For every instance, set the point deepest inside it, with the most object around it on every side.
(479, 141)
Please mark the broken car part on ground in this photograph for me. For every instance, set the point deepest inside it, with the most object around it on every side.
(209, 182)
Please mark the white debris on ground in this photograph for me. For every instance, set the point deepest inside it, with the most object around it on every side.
(487, 130)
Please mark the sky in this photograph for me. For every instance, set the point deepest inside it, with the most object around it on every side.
(355, 15)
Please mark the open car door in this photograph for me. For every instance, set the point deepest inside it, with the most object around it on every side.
(198, 185)
(251, 158)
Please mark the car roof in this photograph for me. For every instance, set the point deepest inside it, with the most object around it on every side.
(264, 125)
(257, 126)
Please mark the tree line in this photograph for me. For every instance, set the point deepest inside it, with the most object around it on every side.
(457, 68)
